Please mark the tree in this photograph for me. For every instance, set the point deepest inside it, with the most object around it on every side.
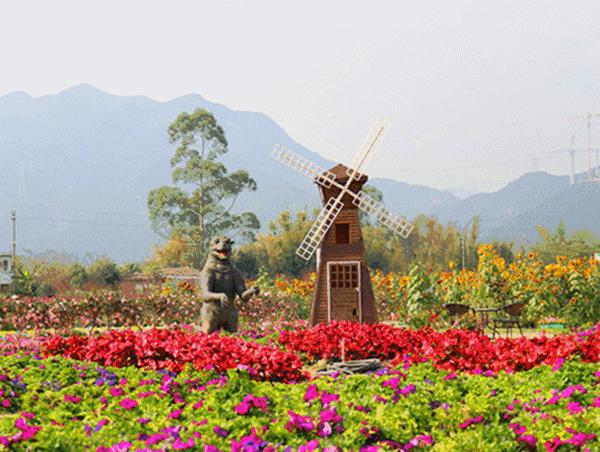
(104, 272)
(201, 203)
(275, 252)
(578, 244)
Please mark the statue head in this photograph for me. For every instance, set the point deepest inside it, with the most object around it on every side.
(220, 247)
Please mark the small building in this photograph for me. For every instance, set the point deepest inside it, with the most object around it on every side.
(181, 274)
(140, 285)
(6, 271)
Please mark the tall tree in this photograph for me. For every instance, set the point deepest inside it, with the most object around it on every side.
(201, 202)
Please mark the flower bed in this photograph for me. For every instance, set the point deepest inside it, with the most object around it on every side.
(58, 403)
(451, 350)
(173, 349)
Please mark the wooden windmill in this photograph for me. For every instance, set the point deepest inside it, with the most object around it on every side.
(343, 289)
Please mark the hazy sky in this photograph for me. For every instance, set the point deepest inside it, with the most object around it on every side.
(465, 84)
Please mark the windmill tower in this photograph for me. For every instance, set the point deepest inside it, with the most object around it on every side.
(343, 289)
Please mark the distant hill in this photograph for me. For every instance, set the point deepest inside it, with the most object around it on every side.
(78, 166)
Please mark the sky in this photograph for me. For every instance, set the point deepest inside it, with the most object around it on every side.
(477, 93)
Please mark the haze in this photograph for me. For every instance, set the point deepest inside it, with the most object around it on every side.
(466, 85)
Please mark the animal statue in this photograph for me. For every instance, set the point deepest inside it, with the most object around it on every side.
(220, 283)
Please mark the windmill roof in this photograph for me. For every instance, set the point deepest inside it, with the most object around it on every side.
(339, 171)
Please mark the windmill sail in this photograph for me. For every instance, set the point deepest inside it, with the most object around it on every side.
(397, 224)
(368, 148)
(303, 166)
(317, 231)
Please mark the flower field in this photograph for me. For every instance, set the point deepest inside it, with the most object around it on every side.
(98, 371)
(177, 389)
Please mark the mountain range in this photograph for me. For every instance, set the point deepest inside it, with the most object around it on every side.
(78, 166)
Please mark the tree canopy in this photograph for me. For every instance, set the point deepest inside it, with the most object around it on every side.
(201, 202)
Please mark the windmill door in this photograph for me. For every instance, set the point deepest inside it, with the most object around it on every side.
(344, 303)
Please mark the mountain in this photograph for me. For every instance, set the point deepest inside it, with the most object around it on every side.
(78, 166)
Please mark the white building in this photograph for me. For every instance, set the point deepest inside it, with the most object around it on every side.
(6, 270)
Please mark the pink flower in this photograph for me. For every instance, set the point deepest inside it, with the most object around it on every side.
(469, 422)
(575, 407)
(175, 414)
(72, 399)
(517, 428)
(311, 393)
(116, 392)
(528, 440)
(128, 404)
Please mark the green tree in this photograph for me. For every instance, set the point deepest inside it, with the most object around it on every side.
(559, 243)
(104, 271)
(275, 251)
(201, 203)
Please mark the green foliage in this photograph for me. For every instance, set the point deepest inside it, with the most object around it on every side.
(421, 297)
(275, 252)
(578, 244)
(200, 204)
(104, 272)
(437, 407)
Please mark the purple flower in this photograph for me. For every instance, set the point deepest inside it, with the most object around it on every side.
(409, 389)
(220, 431)
(143, 420)
(101, 423)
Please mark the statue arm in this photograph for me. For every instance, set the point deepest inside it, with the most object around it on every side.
(240, 288)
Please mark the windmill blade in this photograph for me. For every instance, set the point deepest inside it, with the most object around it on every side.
(317, 231)
(397, 224)
(303, 166)
(368, 148)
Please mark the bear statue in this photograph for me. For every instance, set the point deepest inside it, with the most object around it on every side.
(220, 283)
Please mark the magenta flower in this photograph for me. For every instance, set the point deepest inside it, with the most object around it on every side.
(116, 392)
(558, 364)
(220, 431)
(472, 421)
(528, 440)
(128, 404)
(327, 398)
(178, 444)
(311, 393)
(575, 407)
(517, 428)
(72, 399)
(175, 414)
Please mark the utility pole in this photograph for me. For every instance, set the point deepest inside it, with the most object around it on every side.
(13, 217)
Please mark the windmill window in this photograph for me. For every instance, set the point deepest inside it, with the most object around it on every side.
(343, 276)
(342, 233)
(5, 265)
